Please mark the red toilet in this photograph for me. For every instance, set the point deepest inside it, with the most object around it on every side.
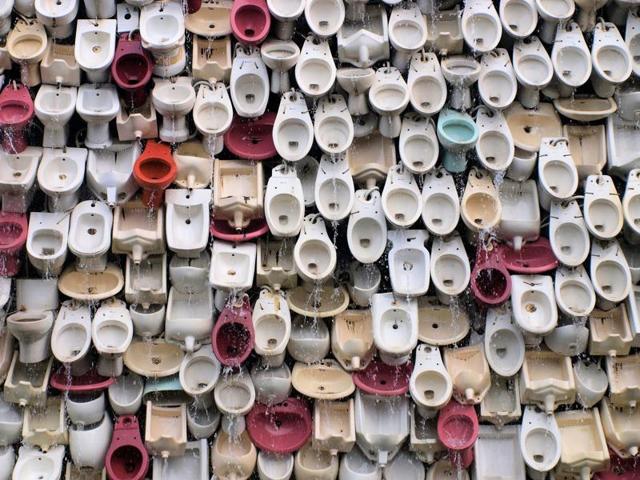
(221, 230)
(127, 457)
(490, 279)
(16, 111)
(154, 171)
(13, 236)
(250, 21)
(88, 382)
(193, 5)
(533, 258)
(251, 138)
(382, 379)
(458, 429)
(132, 68)
(233, 337)
(620, 469)
(282, 428)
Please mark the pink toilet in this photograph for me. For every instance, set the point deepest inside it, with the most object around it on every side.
(251, 138)
(232, 338)
(132, 68)
(382, 379)
(13, 236)
(250, 21)
(490, 279)
(127, 457)
(458, 429)
(221, 230)
(16, 111)
(281, 428)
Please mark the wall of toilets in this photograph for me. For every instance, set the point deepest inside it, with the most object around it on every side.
(318, 239)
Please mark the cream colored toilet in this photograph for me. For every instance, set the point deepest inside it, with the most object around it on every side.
(90, 235)
(27, 45)
(519, 17)
(611, 59)
(503, 342)
(47, 241)
(533, 303)
(609, 272)
(284, 202)
(352, 339)
(588, 147)
(212, 115)
(470, 373)
(497, 82)
(112, 332)
(495, 146)
(481, 27)
(610, 332)
(571, 58)
(520, 217)
(98, 105)
(315, 71)
(533, 69)
(401, 198)
(314, 254)
(546, 380)
(407, 33)
(274, 265)
(60, 66)
(187, 221)
(293, 129)
(440, 202)
(480, 206)
(450, 271)
(60, 175)
(430, 385)
(501, 404)
(194, 165)
(199, 373)
(427, 87)
(409, 262)
(367, 228)
(272, 326)
(624, 390)
(619, 425)
(568, 234)
(32, 328)
(388, 97)
(71, 335)
(311, 464)
(395, 327)
(602, 207)
(334, 189)
(333, 125)
(324, 17)
(238, 192)
(540, 441)
(138, 232)
(233, 458)
(249, 82)
(235, 396)
(557, 173)
(418, 145)
(575, 296)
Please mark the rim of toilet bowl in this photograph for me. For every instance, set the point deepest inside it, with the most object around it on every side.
(97, 327)
(504, 75)
(62, 329)
(279, 15)
(211, 361)
(620, 50)
(459, 120)
(562, 305)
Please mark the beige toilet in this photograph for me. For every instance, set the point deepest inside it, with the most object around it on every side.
(27, 44)
(480, 206)
(370, 159)
(334, 426)
(621, 427)
(46, 427)
(501, 404)
(469, 371)
(325, 380)
(312, 464)
(546, 380)
(211, 58)
(233, 458)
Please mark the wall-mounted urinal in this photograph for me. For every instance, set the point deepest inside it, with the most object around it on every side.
(60, 175)
(32, 329)
(370, 158)
(284, 202)
(630, 207)
(380, 440)
(250, 21)
(97, 104)
(333, 125)
(591, 382)
(165, 430)
(619, 426)
(27, 383)
(110, 174)
(575, 295)
(364, 281)
(127, 456)
(501, 404)
(314, 254)
(458, 430)
(282, 428)
(235, 396)
(388, 97)
(356, 83)
(440, 202)
(71, 335)
(54, 107)
(540, 441)
(401, 198)
(280, 56)
(232, 265)
(233, 336)
(238, 192)
(187, 222)
(60, 66)
(293, 129)
(480, 207)
(533, 69)
(457, 133)
(138, 231)
(407, 33)
(418, 147)
(533, 303)
(17, 180)
(272, 384)
(610, 332)
(469, 372)
(154, 358)
(609, 272)
(95, 47)
(199, 373)
(352, 339)
(355, 466)
(233, 457)
(193, 464)
(481, 27)
(125, 394)
(430, 385)
(90, 235)
(211, 58)
(588, 147)
(624, 389)
(194, 164)
(557, 173)
(546, 380)
(493, 442)
(450, 271)
(367, 228)
(520, 218)
(272, 326)
(249, 82)
(325, 380)
(382, 379)
(275, 266)
(173, 100)
(612, 63)
(27, 45)
(571, 58)
(315, 71)
(444, 31)
(503, 343)
(461, 72)
(111, 332)
(568, 234)
(46, 427)
(34, 463)
(88, 446)
(519, 17)
(602, 207)
(324, 17)
(497, 82)
(495, 148)
(363, 39)
(409, 262)
(189, 317)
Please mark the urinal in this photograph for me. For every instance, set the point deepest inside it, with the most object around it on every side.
(631, 37)
(293, 129)
(497, 82)
(315, 71)
(32, 329)
(17, 179)
(60, 66)
(384, 380)
(235, 397)
(127, 457)
(27, 44)
(557, 173)
(97, 105)
(540, 440)
(162, 29)
(355, 466)
(495, 148)
(272, 327)
(630, 203)
(193, 464)
(370, 158)
(275, 266)
(519, 17)
(367, 228)
(352, 339)
(174, 99)
(480, 207)
(232, 265)
(187, 221)
(363, 39)
(238, 192)
(249, 82)
(409, 262)
(280, 56)
(54, 106)
(364, 281)
(481, 27)
(154, 170)
(45, 427)
(418, 145)
(194, 165)
(233, 457)
(250, 21)
(501, 404)
(111, 332)
(610, 332)
(284, 15)
(88, 445)
(17, 113)
(138, 231)
(493, 442)
(382, 425)
(211, 58)
(568, 233)
(154, 358)
(324, 17)
(575, 296)
(533, 69)
(533, 303)
(282, 428)
(611, 59)
(457, 134)
(333, 125)
(90, 235)
(458, 430)
(591, 382)
(407, 33)
(388, 97)
(450, 271)
(588, 147)
(11, 423)
(189, 318)
(623, 387)
(395, 326)
(440, 202)
(132, 68)
(233, 335)
(520, 217)
(619, 427)
(199, 373)
(460, 72)
(272, 384)
(33, 463)
(125, 394)
(284, 202)
(571, 58)
(27, 384)
(609, 272)
(602, 207)
(325, 380)
(546, 380)
(430, 385)
(401, 198)
(71, 335)
(165, 430)
(356, 82)
(504, 345)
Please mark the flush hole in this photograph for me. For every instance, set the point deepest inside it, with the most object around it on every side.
(284, 219)
(538, 457)
(249, 32)
(231, 272)
(293, 144)
(448, 282)
(312, 267)
(156, 360)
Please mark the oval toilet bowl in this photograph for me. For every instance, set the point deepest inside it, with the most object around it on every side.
(401, 198)
(395, 327)
(32, 329)
(409, 262)
(570, 56)
(127, 457)
(611, 59)
(557, 174)
(125, 394)
(440, 202)
(533, 68)
(212, 115)
(497, 82)
(334, 189)
(293, 129)
(314, 254)
(285, 13)
(315, 464)
(132, 68)
(457, 430)
(481, 27)
(457, 134)
(233, 335)
(199, 373)
(98, 104)
(460, 72)
(27, 44)
(356, 82)
(173, 99)
(162, 28)
(95, 46)
(249, 83)
(430, 385)
(71, 335)
(519, 17)
(324, 17)
(60, 176)
(233, 457)
(333, 125)
(495, 146)
(602, 208)
(282, 428)
(503, 343)
(315, 71)
(90, 234)
(111, 332)
(250, 21)
(154, 171)
(388, 97)
(284, 202)
(272, 384)
(539, 440)
(280, 56)
(234, 396)
(273, 466)
(418, 147)
(17, 111)
(574, 292)
(450, 270)
(490, 279)
(480, 206)
(367, 228)
(89, 446)
(272, 327)
(427, 86)
(568, 233)
(533, 303)
(407, 33)
(591, 383)
(609, 272)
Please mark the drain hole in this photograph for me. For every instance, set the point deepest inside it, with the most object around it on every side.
(293, 144)
(92, 231)
(501, 352)
(250, 98)
(365, 242)
(283, 219)
(429, 394)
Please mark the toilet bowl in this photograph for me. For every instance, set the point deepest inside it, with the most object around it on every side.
(457, 134)
(88, 446)
(571, 58)
(495, 148)
(60, 175)
(110, 174)
(165, 430)
(630, 202)
(174, 99)
(611, 59)
(202, 422)
(90, 235)
(235, 396)
(395, 326)
(32, 329)
(533, 303)
(14, 232)
(503, 342)
(194, 165)
(280, 56)
(533, 69)
(430, 385)
(458, 430)
(275, 266)
(97, 105)
(211, 59)
(546, 380)
(409, 262)
(212, 115)
(249, 82)
(352, 339)
(238, 192)
(491, 442)
(324, 17)
(427, 86)
(501, 404)
(325, 380)
(282, 428)
(519, 17)
(356, 82)
(233, 335)
(33, 463)
(154, 358)
(591, 383)
(568, 234)
(272, 384)
(557, 173)
(388, 97)
(233, 457)
(460, 72)
(367, 228)
(293, 129)
(132, 68)
(480, 206)
(273, 466)
(17, 112)
(540, 440)
(111, 332)
(609, 272)
(71, 335)
(631, 38)
(232, 265)
(497, 82)
(45, 427)
(125, 394)
(154, 170)
(285, 13)
(199, 373)
(315, 71)
(588, 147)
(284, 202)
(127, 457)
(272, 327)
(383, 380)
(162, 29)
(54, 106)
(520, 217)
(363, 39)
(418, 146)
(334, 189)
(602, 207)
(522, 164)
(17, 179)
(148, 321)
(187, 221)
(440, 202)
(401, 198)
(575, 296)
(407, 33)
(618, 425)
(469, 372)
(11, 424)
(193, 464)
(138, 231)
(370, 157)
(568, 338)
(189, 318)
(333, 125)
(552, 13)
(450, 271)
(481, 27)
(27, 45)
(95, 46)
(250, 21)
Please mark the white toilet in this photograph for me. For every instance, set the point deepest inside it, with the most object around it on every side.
(367, 227)
(520, 218)
(395, 326)
(315, 71)
(95, 47)
(571, 58)
(88, 446)
(310, 340)
(232, 265)
(274, 466)
(11, 423)
(611, 59)
(34, 464)
(54, 107)
(173, 99)
(272, 326)
(497, 82)
(162, 29)
(609, 272)
(111, 332)
(404, 465)
(495, 146)
(32, 328)
(71, 335)
(427, 87)
(60, 175)
(17, 178)
(409, 262)
(450, 270)
(407, 33)
(199, 373)
(364, 282)
(481, 27)
(430, 385)
(284, 202)
(388, 97)
(539, 440)
(519, 17)
(533, 69)
(632, 38)
(568, 234)
(97, 105)
(503, 342)
(401, 198)
(591, 383)
(630, 207)
(212, 115)
(418, 145)
(324, 17)
(110, 174)
(460, 72)
(90, 235)
(293, 129)
(47, 241)
(552, 13)
(314, 254)
(334, 189)
(557, 173)
(101, 8)
(575, 295)
(356, 82)
(569, 338)
(602, 207)
(187, 221)
(440, 202)
(333, 125)
(249, 82)
(235, 396)
(533, 303)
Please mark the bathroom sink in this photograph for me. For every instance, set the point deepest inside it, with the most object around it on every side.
(153, 358)
(585, 109)
(326, 301)
(212, 20)
(91, 286)
(529, 127)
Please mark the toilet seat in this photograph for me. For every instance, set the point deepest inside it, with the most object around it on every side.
(249, 82)
(450, 271)
(315, 71)
(602, 207)
(212, 115)
(495, 146)
(480, 206)
(557, 173)
(616, 67)
(609, 272)
(575, 296)
(284, 202)
(440, 202)
(314, 254)
(568, 233)
(333, 125)
(497, 82)
(418, 146)
(533, 303)
(426, 84)
(334, 189)
(401, 198)
(481, 27)
(293, 129)
(127, 457)
(533, 68)
(395, 326)
(367, 228)
(570, 47)
(504, 345)
(409, 262)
